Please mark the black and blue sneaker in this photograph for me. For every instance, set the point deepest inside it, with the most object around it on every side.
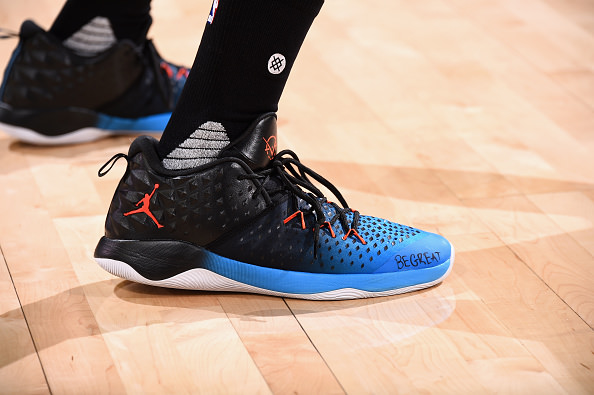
(52, 95)
(254, 221)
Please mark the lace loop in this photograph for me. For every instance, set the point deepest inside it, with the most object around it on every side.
(111, 162)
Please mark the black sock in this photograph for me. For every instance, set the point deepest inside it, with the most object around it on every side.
(128, 19)
(242, 65)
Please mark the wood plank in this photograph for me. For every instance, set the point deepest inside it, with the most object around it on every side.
(191, 343)
(503, 56)
(60, 320)
(554, 256)
(279, 346)
(392, 341)
(470, 118)
(571, 211)
(572, 42)
(580, 12)
(20, 369)
(531, 311)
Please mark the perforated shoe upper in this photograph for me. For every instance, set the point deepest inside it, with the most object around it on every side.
(126, 80)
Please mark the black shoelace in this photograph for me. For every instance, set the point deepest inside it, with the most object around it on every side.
(294, 177)
(7, 33)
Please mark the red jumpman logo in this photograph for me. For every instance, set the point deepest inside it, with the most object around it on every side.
(270, 146)
(146, 201)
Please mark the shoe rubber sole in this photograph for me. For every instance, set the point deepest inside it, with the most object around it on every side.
(73, 125)
(82, 135)
(176, 264)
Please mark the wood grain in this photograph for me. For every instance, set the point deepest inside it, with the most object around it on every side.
(472, 118)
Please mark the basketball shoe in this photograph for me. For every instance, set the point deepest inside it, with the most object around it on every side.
(51, 95)
(254, 221)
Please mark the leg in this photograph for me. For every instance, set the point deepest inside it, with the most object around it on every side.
(227, 200)
(244, 60)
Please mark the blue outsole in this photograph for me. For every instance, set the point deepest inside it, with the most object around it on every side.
(292, 282)
(154, 123)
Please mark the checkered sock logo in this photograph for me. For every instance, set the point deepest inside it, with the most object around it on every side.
(276, 63)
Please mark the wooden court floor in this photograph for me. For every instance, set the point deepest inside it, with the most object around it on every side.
(472, 118)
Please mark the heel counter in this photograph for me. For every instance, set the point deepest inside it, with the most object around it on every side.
(28, 29)
(26, 76)
(131, 214)
(112, 228)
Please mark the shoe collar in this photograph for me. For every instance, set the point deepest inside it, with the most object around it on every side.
(257, 145)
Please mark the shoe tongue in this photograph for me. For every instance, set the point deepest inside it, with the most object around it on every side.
(257, 145)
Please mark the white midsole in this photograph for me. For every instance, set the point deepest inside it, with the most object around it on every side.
(77, 136)
(83, 135)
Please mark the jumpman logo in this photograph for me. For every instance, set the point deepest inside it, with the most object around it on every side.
(146, 202)
(270, 146)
